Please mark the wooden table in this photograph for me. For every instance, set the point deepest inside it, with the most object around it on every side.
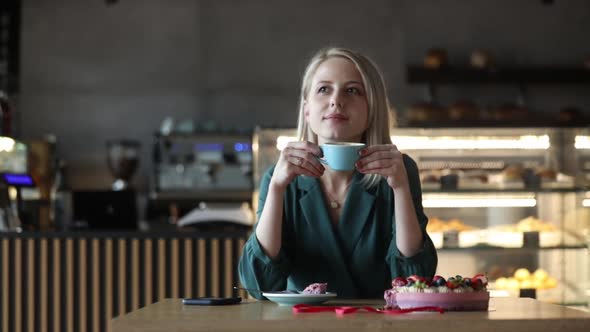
(506, 314)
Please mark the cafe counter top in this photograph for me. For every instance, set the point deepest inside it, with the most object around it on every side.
(505, 314)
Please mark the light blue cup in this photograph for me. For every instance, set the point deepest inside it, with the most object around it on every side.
(341, 156)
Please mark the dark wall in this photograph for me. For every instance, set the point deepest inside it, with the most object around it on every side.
(91, 72)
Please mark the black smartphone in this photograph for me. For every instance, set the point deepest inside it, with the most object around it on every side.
(212, 300)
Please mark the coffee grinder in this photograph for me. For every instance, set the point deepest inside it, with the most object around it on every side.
(123, 161)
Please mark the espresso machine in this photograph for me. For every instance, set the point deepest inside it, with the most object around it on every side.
(200, 170)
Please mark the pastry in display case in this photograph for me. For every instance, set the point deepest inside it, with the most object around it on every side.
(538, 232)
(524, 279)
(436, 58)
(498, 200)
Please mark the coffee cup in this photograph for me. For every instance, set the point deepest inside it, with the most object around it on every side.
(341, 156)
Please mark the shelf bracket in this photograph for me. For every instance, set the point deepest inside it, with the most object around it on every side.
(430, 93)
(521, 99)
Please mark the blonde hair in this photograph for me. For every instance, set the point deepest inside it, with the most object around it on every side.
(380, 119)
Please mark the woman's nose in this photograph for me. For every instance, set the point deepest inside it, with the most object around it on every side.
(336, 100)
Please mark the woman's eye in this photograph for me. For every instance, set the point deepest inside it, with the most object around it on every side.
(354, 91)
(322, 89)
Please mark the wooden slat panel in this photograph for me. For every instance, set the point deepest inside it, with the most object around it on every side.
(70, 284)
(96, 285)
(228, 262)
(215, 267)
(82, 287)
(135, 274)
(75, 291)
(161, 269)
(202, 268)
(57, 309)
(43, 284)
(30, 277)
(174, 269)
(128, 289)
(188, 263)
(108, 291)
(122, 277)
(148, 271)
(5, 290)
(17, 285)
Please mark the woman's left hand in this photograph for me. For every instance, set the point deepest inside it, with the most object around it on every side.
(385, 160)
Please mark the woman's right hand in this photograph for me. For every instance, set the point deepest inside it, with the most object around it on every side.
(297, 158)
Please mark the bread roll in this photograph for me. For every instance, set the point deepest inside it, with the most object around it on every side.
(481, 59)
(435, 58)
(463, 110)
(546, 173)
(509, 112)
(513, 173)
(425, 112)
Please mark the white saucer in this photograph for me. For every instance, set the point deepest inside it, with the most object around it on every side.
(292, 299)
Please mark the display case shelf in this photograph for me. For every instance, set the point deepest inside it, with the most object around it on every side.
(521, 249)
(505, 191)
(521, 77)
(506, 75)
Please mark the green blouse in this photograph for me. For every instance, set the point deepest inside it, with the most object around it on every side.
(358, 258)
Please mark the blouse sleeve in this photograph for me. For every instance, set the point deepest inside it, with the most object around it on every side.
(424, 262)
(257, 270)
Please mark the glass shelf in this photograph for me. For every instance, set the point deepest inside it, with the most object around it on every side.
(521, 249)
(501, 191)
(514, 75)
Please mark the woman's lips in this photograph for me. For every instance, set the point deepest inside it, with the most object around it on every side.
(335, 117)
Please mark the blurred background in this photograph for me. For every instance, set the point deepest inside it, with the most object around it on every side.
(133, 134)
(91, 70)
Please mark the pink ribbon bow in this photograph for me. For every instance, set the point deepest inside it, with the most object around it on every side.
(343, 310)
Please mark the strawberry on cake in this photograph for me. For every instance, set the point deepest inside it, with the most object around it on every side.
(453, 294)
(315, 289)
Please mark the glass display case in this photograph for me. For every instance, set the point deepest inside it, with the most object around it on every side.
(510, 202)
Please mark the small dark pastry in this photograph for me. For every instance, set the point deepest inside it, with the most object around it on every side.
(481, 59)
(436, 58)
(425, 112)
(569, 115)
(463, 110)
(509, 112)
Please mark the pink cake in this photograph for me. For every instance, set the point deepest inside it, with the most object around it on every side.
(455, 294)
(316, 288)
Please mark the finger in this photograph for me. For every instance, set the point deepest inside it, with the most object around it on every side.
(377, 165)
(300, 170)
(309, 160)
(296, 161)
(385, 172)
(301, 166)
(380, 155)
(306, 146)
(376, 148)
(312, 168)
(309, 167)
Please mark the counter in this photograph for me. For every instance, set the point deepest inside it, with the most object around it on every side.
(78, 281)
(506, 314)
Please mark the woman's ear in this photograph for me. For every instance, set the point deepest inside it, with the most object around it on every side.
(305, 110)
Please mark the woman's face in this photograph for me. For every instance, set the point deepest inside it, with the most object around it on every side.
(336, 107)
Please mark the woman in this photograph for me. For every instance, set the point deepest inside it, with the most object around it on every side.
(374, 228)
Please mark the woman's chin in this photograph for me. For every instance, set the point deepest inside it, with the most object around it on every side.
(341, 136)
